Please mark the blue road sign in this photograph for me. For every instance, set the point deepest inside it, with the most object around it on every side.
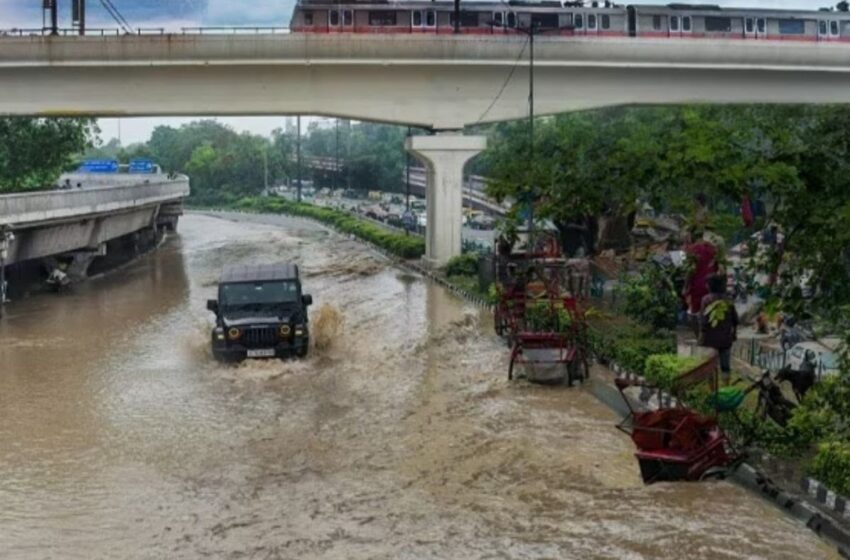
(141, 166)
(99, 166)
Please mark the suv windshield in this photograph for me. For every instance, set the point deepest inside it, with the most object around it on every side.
(256, 296)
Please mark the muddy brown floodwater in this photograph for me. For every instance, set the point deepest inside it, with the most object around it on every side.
(120, 437)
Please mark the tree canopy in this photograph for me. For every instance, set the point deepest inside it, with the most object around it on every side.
(34, 151)
(793, 159)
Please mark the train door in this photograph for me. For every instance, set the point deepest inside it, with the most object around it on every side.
(430, 20)
(347, 20)
(828, 30)
(755, 27)
(497, 23)
(334, 21)
(675, 26)
(632, 21)
(592, 24)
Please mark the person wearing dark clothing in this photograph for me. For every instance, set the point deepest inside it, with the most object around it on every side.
(719, 323)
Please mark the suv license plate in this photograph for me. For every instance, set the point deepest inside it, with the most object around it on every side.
(265, 353)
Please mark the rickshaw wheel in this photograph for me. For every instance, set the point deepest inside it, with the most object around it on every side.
(577, 370)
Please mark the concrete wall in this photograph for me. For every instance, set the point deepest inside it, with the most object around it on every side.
(442, 82)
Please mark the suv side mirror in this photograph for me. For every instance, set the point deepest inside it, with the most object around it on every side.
(307, 300)
(212, 305)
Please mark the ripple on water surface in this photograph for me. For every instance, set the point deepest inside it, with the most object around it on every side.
(399, 437)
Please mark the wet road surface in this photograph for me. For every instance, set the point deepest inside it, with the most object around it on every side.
(120, 437)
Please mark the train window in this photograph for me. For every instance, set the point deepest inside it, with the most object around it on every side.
(674, 23)
(579, 21)
(334, 18)
(469, 19)
(718, 24)
(686, 23)
(417, 18)
(382, 18)
(511, 19)
(822, 28)
(792, 26)
(347, 18)
(605, 21)
(591, 21)
(761, 25)
(656, 23)
(430, 18)
(833, 28)
(749, 25)
(544, 21)
(497, 18)
(308, 18)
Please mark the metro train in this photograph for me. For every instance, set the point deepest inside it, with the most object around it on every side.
(571, 19)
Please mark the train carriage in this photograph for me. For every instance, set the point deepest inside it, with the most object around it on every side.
(595, 19)
(481, 18)
(686, 21)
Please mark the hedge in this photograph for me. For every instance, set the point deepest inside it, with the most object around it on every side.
(831, 466)
(404, 246)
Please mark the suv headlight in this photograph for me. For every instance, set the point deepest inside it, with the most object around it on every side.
(284, 331)
(233, 333)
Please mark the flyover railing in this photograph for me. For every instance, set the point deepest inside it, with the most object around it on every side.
(28, 209)
(117, 32)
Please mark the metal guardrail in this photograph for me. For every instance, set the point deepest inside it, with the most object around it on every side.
(117, 32)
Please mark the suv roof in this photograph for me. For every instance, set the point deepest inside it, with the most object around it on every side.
(260, 272)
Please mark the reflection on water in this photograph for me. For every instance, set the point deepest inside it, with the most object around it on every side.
(120, 437)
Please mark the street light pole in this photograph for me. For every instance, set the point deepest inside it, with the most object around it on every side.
(336, 155)
(407, 170)
(6, 238)
(531, 193)
(298, 156)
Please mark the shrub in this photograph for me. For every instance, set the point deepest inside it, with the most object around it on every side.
(462, 265)
(629, 344)
(651, 297)
(831, 466)
(404, 246)
(662, 369)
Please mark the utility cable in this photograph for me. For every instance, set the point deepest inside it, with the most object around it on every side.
(116, 15)
(505, 83)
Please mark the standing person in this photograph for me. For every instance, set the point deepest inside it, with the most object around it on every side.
(719, 323)
(703, 257)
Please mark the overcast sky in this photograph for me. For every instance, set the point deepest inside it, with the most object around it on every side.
(174, 14)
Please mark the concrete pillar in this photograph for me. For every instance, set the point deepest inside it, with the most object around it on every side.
(444, 156)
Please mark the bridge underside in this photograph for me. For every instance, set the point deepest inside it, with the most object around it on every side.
(438, 97)
(440, 82)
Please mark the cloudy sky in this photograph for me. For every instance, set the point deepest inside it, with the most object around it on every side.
(174, 14)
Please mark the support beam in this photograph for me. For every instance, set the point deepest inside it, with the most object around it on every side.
(444, 156)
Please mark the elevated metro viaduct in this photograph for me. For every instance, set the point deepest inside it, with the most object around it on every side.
(443, 83)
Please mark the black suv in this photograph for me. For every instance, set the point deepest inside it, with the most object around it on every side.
(260, 313)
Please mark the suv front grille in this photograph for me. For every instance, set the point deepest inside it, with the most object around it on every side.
(259, 337)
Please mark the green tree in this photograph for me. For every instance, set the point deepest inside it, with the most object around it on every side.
(34, 151)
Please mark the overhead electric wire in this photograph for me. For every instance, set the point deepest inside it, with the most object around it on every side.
(116, 15)
(513, 68)
(505, 83)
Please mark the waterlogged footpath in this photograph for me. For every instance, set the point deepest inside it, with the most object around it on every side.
(120, 437)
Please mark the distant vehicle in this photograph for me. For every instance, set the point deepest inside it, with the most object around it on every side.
(824, 360)
(260, 313)
(418, 205)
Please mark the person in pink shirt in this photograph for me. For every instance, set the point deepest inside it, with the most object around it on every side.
(703, 257)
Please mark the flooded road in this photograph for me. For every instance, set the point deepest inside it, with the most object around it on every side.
(120, 437)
